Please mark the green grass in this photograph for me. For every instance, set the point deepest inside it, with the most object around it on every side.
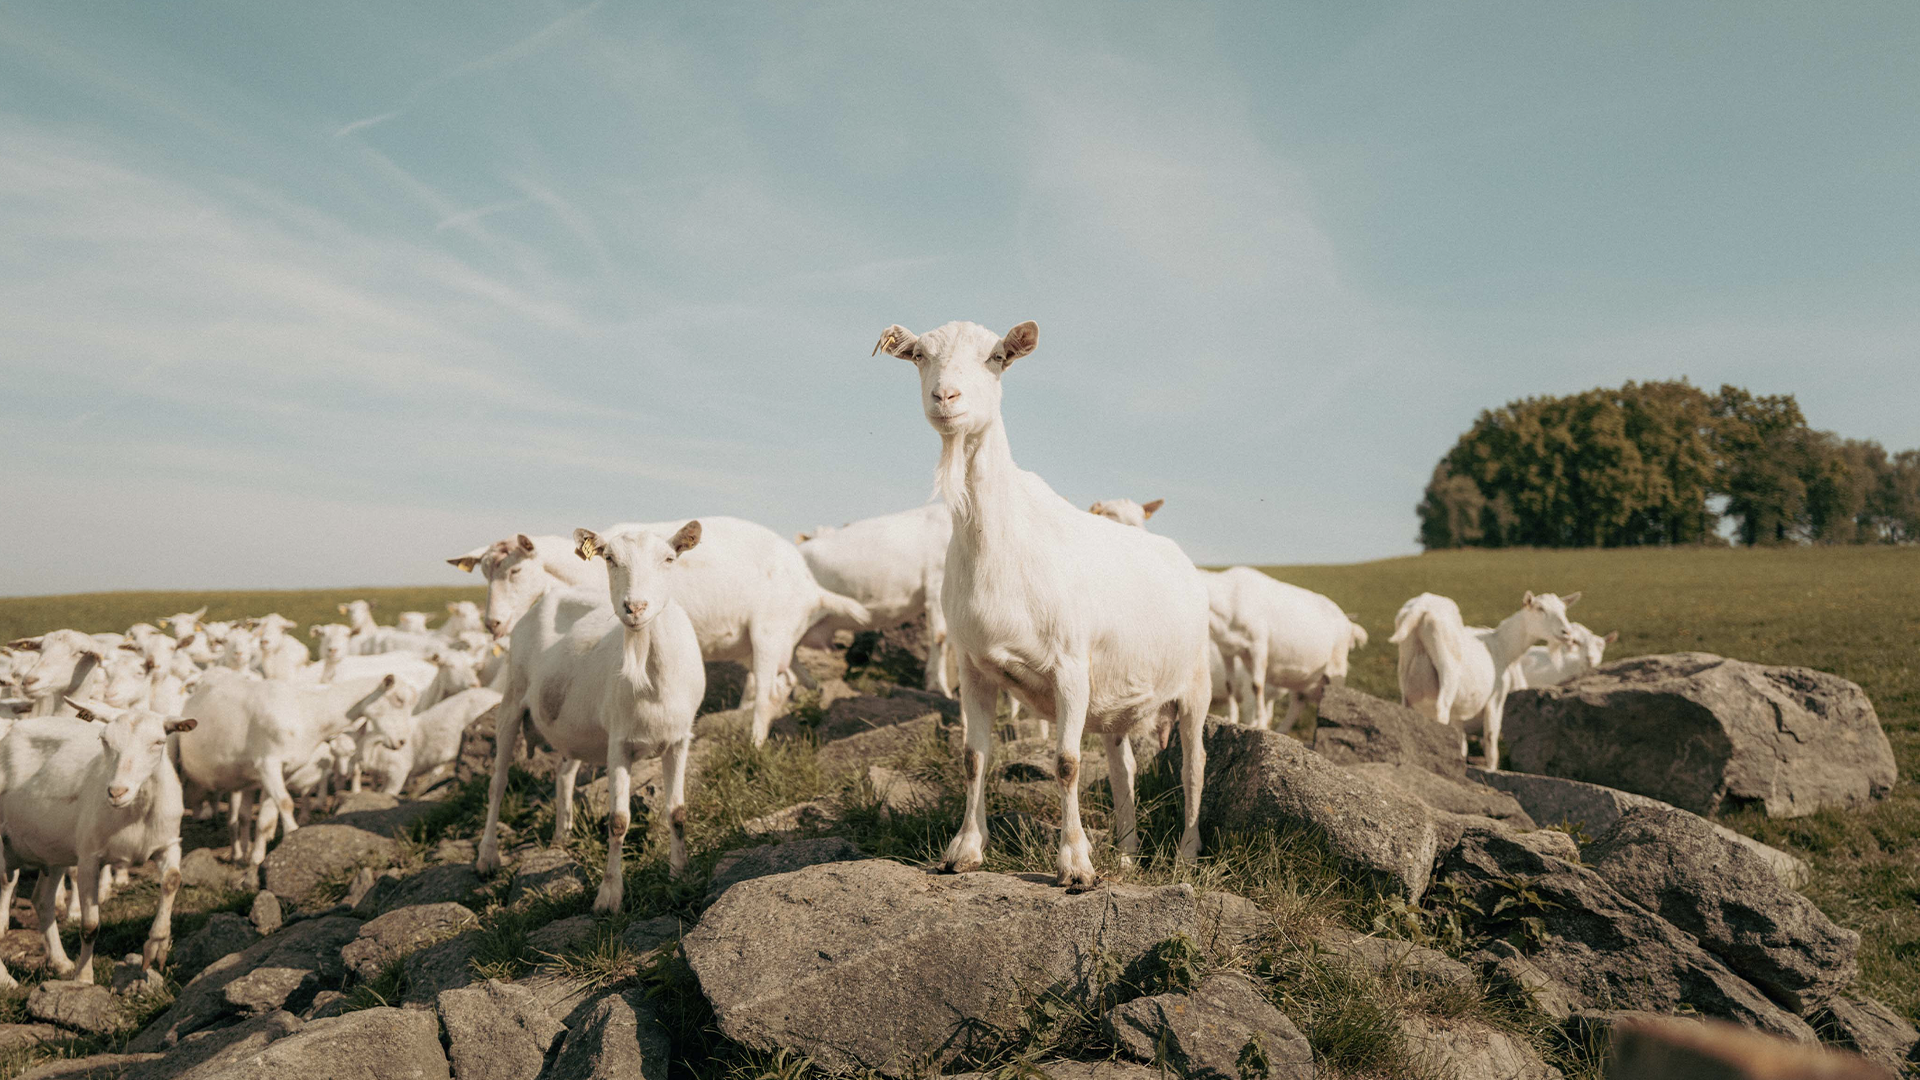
(93, 613)
(1851, 611)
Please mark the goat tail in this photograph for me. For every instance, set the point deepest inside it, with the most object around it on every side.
(832, 604)
(1412, 614)
(1359, 633)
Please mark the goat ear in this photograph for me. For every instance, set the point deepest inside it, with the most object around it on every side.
(342, 609)
(314, 630)
(688, 536)
(82, 711)
(1154, 505)
(1020, 340)
(1527, 600)
(25, 644)
(185, 723)
(465, 563)
(586, 543)
(1612, 636)
(525, 542)
(896, 340)
(1570, 599)
(387, 683)
(453, 605)
(801, 538)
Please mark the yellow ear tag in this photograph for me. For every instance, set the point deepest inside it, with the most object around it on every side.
(497, 650)
(586, 548)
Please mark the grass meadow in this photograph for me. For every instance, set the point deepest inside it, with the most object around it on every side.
(1854, 612)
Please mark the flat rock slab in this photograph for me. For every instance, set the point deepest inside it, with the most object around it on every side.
(1702, 732)
(1224, 1030)
(617, 1037)
(1672, 863)
(1416, 964)
(319, 854)
(497, 1031)
(1257, 780)
(1603, 948)
(1861, 1024)
(442, 966)
(284, 971)
(1440, 793)
(402, 931)
(1593, 808)
(372, 1044)
(80, 1006)
(747, 863)
(806, 960)
(446, 884)
(212, 1051)
(1356, 728)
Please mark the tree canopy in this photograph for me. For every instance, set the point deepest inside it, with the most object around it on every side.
(1662, 463)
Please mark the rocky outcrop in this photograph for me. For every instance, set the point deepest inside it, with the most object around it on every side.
(1702, 732)
(1602, 948)
(544, 872)
(319, 854)
(1263, 780)
(1224, 1029)
(281, 972)
(617, 1037)
(224, 934)
(1449, 796)
(1464, 1050)
(805, 960)
(446, 884)
(372, 1044)
(1591, 809)
(747, 863)
(1672, 863)
(497, 1031)
(400, 932)
(81, 1006)
(1870, 1029)
(1356, 729)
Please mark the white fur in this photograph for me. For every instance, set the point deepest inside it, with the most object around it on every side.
(893, 565)
(426, 740)
(1092, 624)
(58, 665)
(1553, 663)
(1288, 639)
(1459, 676)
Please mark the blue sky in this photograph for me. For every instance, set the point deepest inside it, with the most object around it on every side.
(321, 294)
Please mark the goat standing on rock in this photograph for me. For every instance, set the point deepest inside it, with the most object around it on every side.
(1091, 623)
(606, 685)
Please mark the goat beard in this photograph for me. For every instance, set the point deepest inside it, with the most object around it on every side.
(634, 653)
(950, 476)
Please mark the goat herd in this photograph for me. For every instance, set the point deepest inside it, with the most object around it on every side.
(598, 641)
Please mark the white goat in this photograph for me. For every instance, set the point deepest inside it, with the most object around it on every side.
(62, 663)
(747, 590)
(1553, 663)
(281, 655)
(432, 741)
(607, 685)
(73, 794)
(1126, 511)
(1287, 638)
(252, 734)
(893, 565)
(411, 622)
(463, 617)
(1459, 676)
(1092, 624)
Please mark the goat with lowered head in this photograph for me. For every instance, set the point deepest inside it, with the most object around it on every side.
(91, 796)
(607, 679)
(1457, 675)
(893, 565)
(1092, 624)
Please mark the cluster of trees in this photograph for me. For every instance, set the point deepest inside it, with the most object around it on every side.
(1664, 463)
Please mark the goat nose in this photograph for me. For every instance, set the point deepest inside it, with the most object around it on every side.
(117, 791)
(636, 609)
(946, 395)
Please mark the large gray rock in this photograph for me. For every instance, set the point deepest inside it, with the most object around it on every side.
(1603, 948)
(1870, 1029)
(1263, 780)
(224, 934)
(266, 915)
(319, 854)
(20, 1036)
(1403, 960)
(497, 1031)
(1672, 863)
(442, 966)
(1450, 796)
(402, 931)
(1464, 1050)
(1701, 731)
(1356, 728)
(618, 1037)
(372, 1044)
(379, 813)
(747, 863)
(806, 960)
(207, 1052)
(1506, 970)
(1216, 1032)
(1593, 808)
(87, 1007)
(284, 971)
(203, 868)
(445, 884)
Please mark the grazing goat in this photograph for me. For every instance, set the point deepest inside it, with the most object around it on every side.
(1092, 624)
(76, 794)
(893, 565)
(1287, 638)
(431, 740)
(1459, 676)
(1553, 663)
(607, 684)
(747, 590)
(252, 734)
(1126, 511)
